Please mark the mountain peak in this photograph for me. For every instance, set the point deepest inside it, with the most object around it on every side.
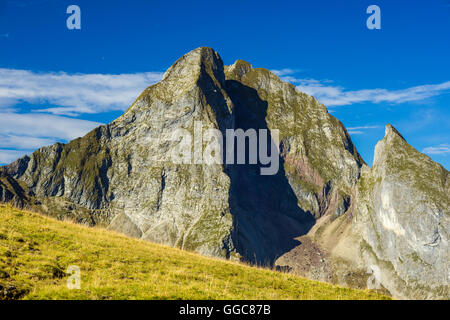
(393, 140)
(193, 62)
(402, 207)
(201, 67)
(239, 68)
(390, 131)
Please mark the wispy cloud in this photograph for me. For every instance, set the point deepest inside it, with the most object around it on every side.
(73, 94)
(284, 72)
(333, 96)
(8, 156)
(337, 96)
(21, 134)
(361, 129)
(24, 142)
(441, 149)
(44, 125)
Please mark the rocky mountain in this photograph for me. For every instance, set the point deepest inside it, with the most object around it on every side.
(395, 235)
(11, 191)
(323, 213)
(403, 215)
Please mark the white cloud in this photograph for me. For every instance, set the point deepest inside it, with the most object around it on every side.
(67, 94)
(21, 134)
(333, 96)
(73, 93)
(360, 129)
(44, 125)
(24, 142)
(440, 149)
(8, 156)
(337, 96)
(363, 127)
(284, 72)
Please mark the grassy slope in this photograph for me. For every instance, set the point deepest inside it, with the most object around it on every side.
(36, 250)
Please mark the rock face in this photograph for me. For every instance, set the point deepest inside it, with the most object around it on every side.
(11, 191)
(316, 215)
(394, 237)
(318, 156)
(403, 215)
(319, 164)
(15, 192)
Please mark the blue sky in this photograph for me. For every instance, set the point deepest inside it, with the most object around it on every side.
(57, 84)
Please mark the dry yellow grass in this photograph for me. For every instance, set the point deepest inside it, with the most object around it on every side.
(35, 252)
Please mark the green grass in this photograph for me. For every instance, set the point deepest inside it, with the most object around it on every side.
(36, 250)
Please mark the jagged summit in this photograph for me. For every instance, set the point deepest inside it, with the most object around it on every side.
(195, 61)
(198, 75)
(403, 212)
(239, 68)
(390, 131)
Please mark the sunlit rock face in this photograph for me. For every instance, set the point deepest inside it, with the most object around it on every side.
(403, 214)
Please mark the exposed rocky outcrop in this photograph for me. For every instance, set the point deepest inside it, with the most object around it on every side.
(14, 192)
(395, 234)
(403, 215)
(323, 214)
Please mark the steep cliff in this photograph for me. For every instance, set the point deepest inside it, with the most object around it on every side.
(394, 236)
(11, 191)
(403, 215)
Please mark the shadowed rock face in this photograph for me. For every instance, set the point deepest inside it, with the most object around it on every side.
(319, 158)
(319, 165)
(121, 176)
(267, 217)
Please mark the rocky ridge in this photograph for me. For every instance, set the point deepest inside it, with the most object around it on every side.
(403, 215)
